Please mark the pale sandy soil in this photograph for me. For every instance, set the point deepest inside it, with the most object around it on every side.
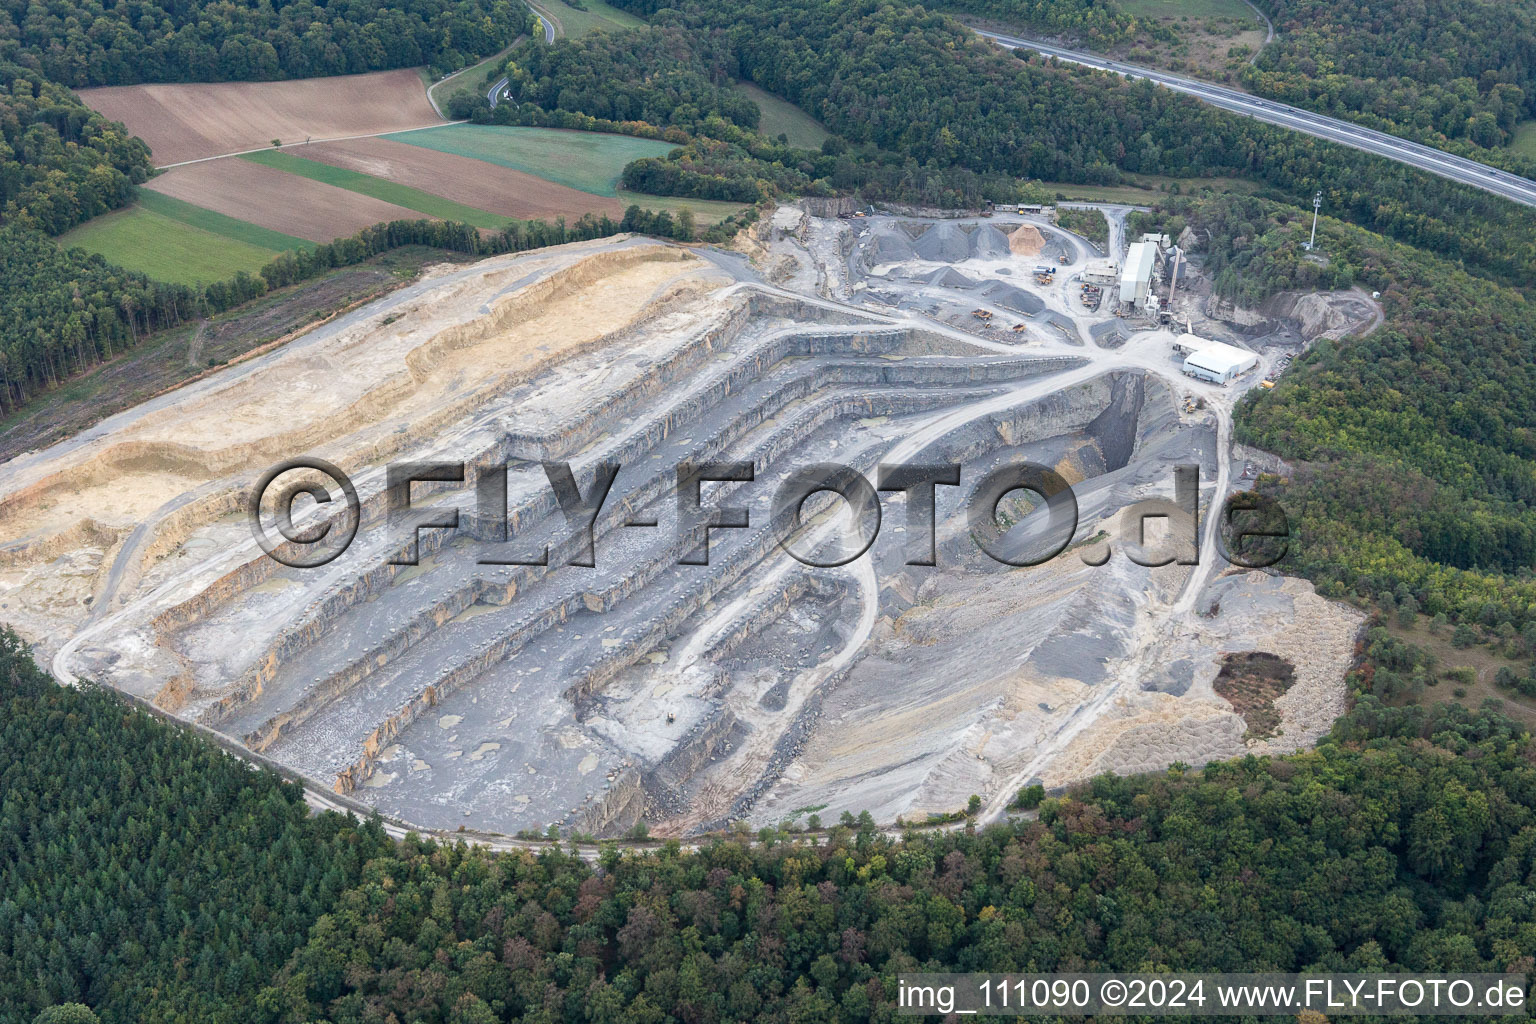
(439, 358)
(1282, 615)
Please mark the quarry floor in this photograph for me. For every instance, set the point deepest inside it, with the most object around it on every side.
(465, 691)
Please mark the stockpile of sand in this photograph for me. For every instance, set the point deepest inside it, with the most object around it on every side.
(1026, 240)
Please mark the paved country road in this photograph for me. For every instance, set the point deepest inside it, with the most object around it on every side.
(493, 95)
(1425, 158)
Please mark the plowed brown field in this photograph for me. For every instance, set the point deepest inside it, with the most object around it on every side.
(277, 200)
(187, 122)
(485, 186)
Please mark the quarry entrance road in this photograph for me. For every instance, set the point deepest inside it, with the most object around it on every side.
(1055, 335)
(1425, 158)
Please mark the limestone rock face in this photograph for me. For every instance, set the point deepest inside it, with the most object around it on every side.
(472, 684)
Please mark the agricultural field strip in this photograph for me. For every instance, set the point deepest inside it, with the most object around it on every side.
(310, 142)
(277, 200)
(473, 184)
(185, 122)
(586, 161)
(167, 249)
(220, 224)
(386, 189)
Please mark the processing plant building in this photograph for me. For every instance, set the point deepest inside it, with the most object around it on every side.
(1215, 362)
(1136, 280)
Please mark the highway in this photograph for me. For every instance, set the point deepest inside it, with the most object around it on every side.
(1425, 158)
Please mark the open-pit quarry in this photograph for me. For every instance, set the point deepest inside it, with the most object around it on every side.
(464, 691)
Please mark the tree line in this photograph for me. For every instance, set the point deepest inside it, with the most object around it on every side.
(1413, 447)
(63, 311)
(1459, 74)
(149, 876)
(82, 43)
(922, 111)
(1092, 23)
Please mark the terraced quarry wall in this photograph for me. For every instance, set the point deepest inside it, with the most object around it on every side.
(447, 680)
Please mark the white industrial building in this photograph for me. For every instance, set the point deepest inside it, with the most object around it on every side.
(1136, 280)
(1101, 272)
(1215, 362)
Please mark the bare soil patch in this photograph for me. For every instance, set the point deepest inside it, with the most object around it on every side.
(1026, 240)
(176, 355)
(1251, 682)
(277, 200)
(428, 366)
(188, 122)
(485, 186)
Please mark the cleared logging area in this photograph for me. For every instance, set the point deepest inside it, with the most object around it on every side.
(172, 357)
(782, 117)
(593, 16)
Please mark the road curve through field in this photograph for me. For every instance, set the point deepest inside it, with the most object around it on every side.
(549, 21)
(1269, 26)
(1425, 158)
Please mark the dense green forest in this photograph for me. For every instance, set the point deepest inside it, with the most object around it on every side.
(1440, 71)
(155, 879)
(671, 78)
(1414, 447)
(1092, 23)
(60, 162)
(86, 42)
(913, 97)
(142, 871)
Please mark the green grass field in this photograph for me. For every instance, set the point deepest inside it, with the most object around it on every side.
(598, 17)
(167, 249)
(705, 211)
(780, 115)
(379, 188)
(1524, 142)
(1190, 8)
(220, 224)
(589, 161)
